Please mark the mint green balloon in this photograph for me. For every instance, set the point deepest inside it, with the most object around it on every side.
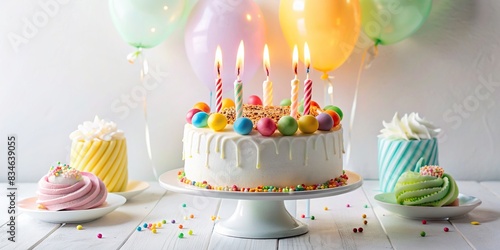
(390, 21)
(146, 23)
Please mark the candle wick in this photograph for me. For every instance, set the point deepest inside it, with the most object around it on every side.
(295, 69)
(267, 73)
(238, 72)
(307, 70)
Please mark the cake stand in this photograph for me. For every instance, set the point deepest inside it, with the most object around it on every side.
(259, 215)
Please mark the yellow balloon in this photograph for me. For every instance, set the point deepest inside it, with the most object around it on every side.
(330, 27)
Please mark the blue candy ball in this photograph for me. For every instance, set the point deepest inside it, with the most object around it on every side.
(200, 119)
(243, 126)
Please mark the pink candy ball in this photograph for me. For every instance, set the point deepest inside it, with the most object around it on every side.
(266, 126)
(254, 100)
(190, 114)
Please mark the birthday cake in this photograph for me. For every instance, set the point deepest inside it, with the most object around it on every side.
(100, 147)
(265, 150)
(65, 188)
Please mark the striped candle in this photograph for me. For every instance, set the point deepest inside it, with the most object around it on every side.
(295, 85)
(267, 86)
(398, 156)
(238, 97)
(307, 82)
(218, 81)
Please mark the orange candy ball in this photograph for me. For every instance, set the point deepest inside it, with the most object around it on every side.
(202, 106)
(334, 115)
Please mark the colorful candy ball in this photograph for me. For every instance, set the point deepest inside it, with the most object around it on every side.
(308, 124)
(266, 126)
(243, 126)
(286, 102)
(336, 109)
(200, 119)
(254, 100)
(202, 106)
(287, 125)
(325, 122)
(190, 113)
(315, 104)
(217, 121)
(334, 115)
(227, 103)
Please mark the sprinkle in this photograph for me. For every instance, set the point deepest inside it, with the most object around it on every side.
(191, 216)
(365, 222)
(139, 229)
(475, 223)
(424, 222)
(325, 208)
(158, 224)
(153, 230)
(348, 205)
(422, 233)
(312, 217)
(173, 221)
(355, 230)
(366, 206)
(79, 227)
(303, 216)
(432, 171)
(164, 222)
(446, 229)
(153, 226)
(364, 216)
(184, 205)
(99, 236)
(181, 226)
(145, 225)
(181, 235)
(185, 217)
(212, 217)
(190, 232)
(150, 225)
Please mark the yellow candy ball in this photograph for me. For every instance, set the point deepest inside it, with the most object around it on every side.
(227, 103)
(217, 122)
(308, 124)
(79, 227)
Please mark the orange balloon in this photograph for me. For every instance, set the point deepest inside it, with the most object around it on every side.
(330, 27)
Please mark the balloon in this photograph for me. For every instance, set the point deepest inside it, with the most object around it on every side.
(390, 21)
(146, 23)
(224, 23)
(331, 29)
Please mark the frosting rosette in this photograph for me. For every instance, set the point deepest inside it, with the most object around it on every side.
(409, 127)
(429, 187)
(99, 129)
(65, 188)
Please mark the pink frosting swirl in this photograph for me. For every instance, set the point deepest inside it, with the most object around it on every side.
(89, 192)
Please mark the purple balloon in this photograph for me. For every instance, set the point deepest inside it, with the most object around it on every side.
(225, 23)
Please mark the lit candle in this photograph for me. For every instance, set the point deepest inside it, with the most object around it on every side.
(238, 85)
(218, 81)
(308, 82)
(267, 86)
(295, 84)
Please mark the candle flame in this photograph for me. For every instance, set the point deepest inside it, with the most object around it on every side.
(267, 63)
(307, 57)
(240, 58)
(218, 60)
(295, 59)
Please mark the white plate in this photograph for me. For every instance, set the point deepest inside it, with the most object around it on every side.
(170, 181)
(133, 188)
(466, 204)
(29, 207)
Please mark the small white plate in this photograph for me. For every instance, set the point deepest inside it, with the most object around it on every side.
(466, 204)
(30, 207)
(133, 188)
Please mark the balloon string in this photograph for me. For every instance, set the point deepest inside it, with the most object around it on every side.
(144, 72)
(355, 99)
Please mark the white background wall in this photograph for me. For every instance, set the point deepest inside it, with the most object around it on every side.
(74, 67)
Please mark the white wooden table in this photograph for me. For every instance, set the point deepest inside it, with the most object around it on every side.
(331, 228)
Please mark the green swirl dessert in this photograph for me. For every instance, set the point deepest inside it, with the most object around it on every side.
(429, 187)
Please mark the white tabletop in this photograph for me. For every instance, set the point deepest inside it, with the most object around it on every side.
(331, 228)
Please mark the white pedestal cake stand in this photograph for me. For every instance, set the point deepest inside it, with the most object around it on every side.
(259, 215)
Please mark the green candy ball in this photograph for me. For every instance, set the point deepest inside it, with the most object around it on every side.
(286, 102)
(301, 109)
(287, 125)
(336, 109)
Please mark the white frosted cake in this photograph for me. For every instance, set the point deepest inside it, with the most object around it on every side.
(229, 160)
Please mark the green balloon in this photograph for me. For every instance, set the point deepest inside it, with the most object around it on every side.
(390, 21)
(146, 23)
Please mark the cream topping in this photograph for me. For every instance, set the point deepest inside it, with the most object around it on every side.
(99, 129)
(409, 127)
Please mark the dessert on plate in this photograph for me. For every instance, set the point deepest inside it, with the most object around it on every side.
(402, 142)
(99, 147)
(65, 188)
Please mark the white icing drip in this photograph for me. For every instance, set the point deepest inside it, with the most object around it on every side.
(323, 137)
(217, 142)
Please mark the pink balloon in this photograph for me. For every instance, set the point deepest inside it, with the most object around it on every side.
(225, 23)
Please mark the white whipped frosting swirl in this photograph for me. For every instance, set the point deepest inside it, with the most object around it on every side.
(409, 127)
(99, 129)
